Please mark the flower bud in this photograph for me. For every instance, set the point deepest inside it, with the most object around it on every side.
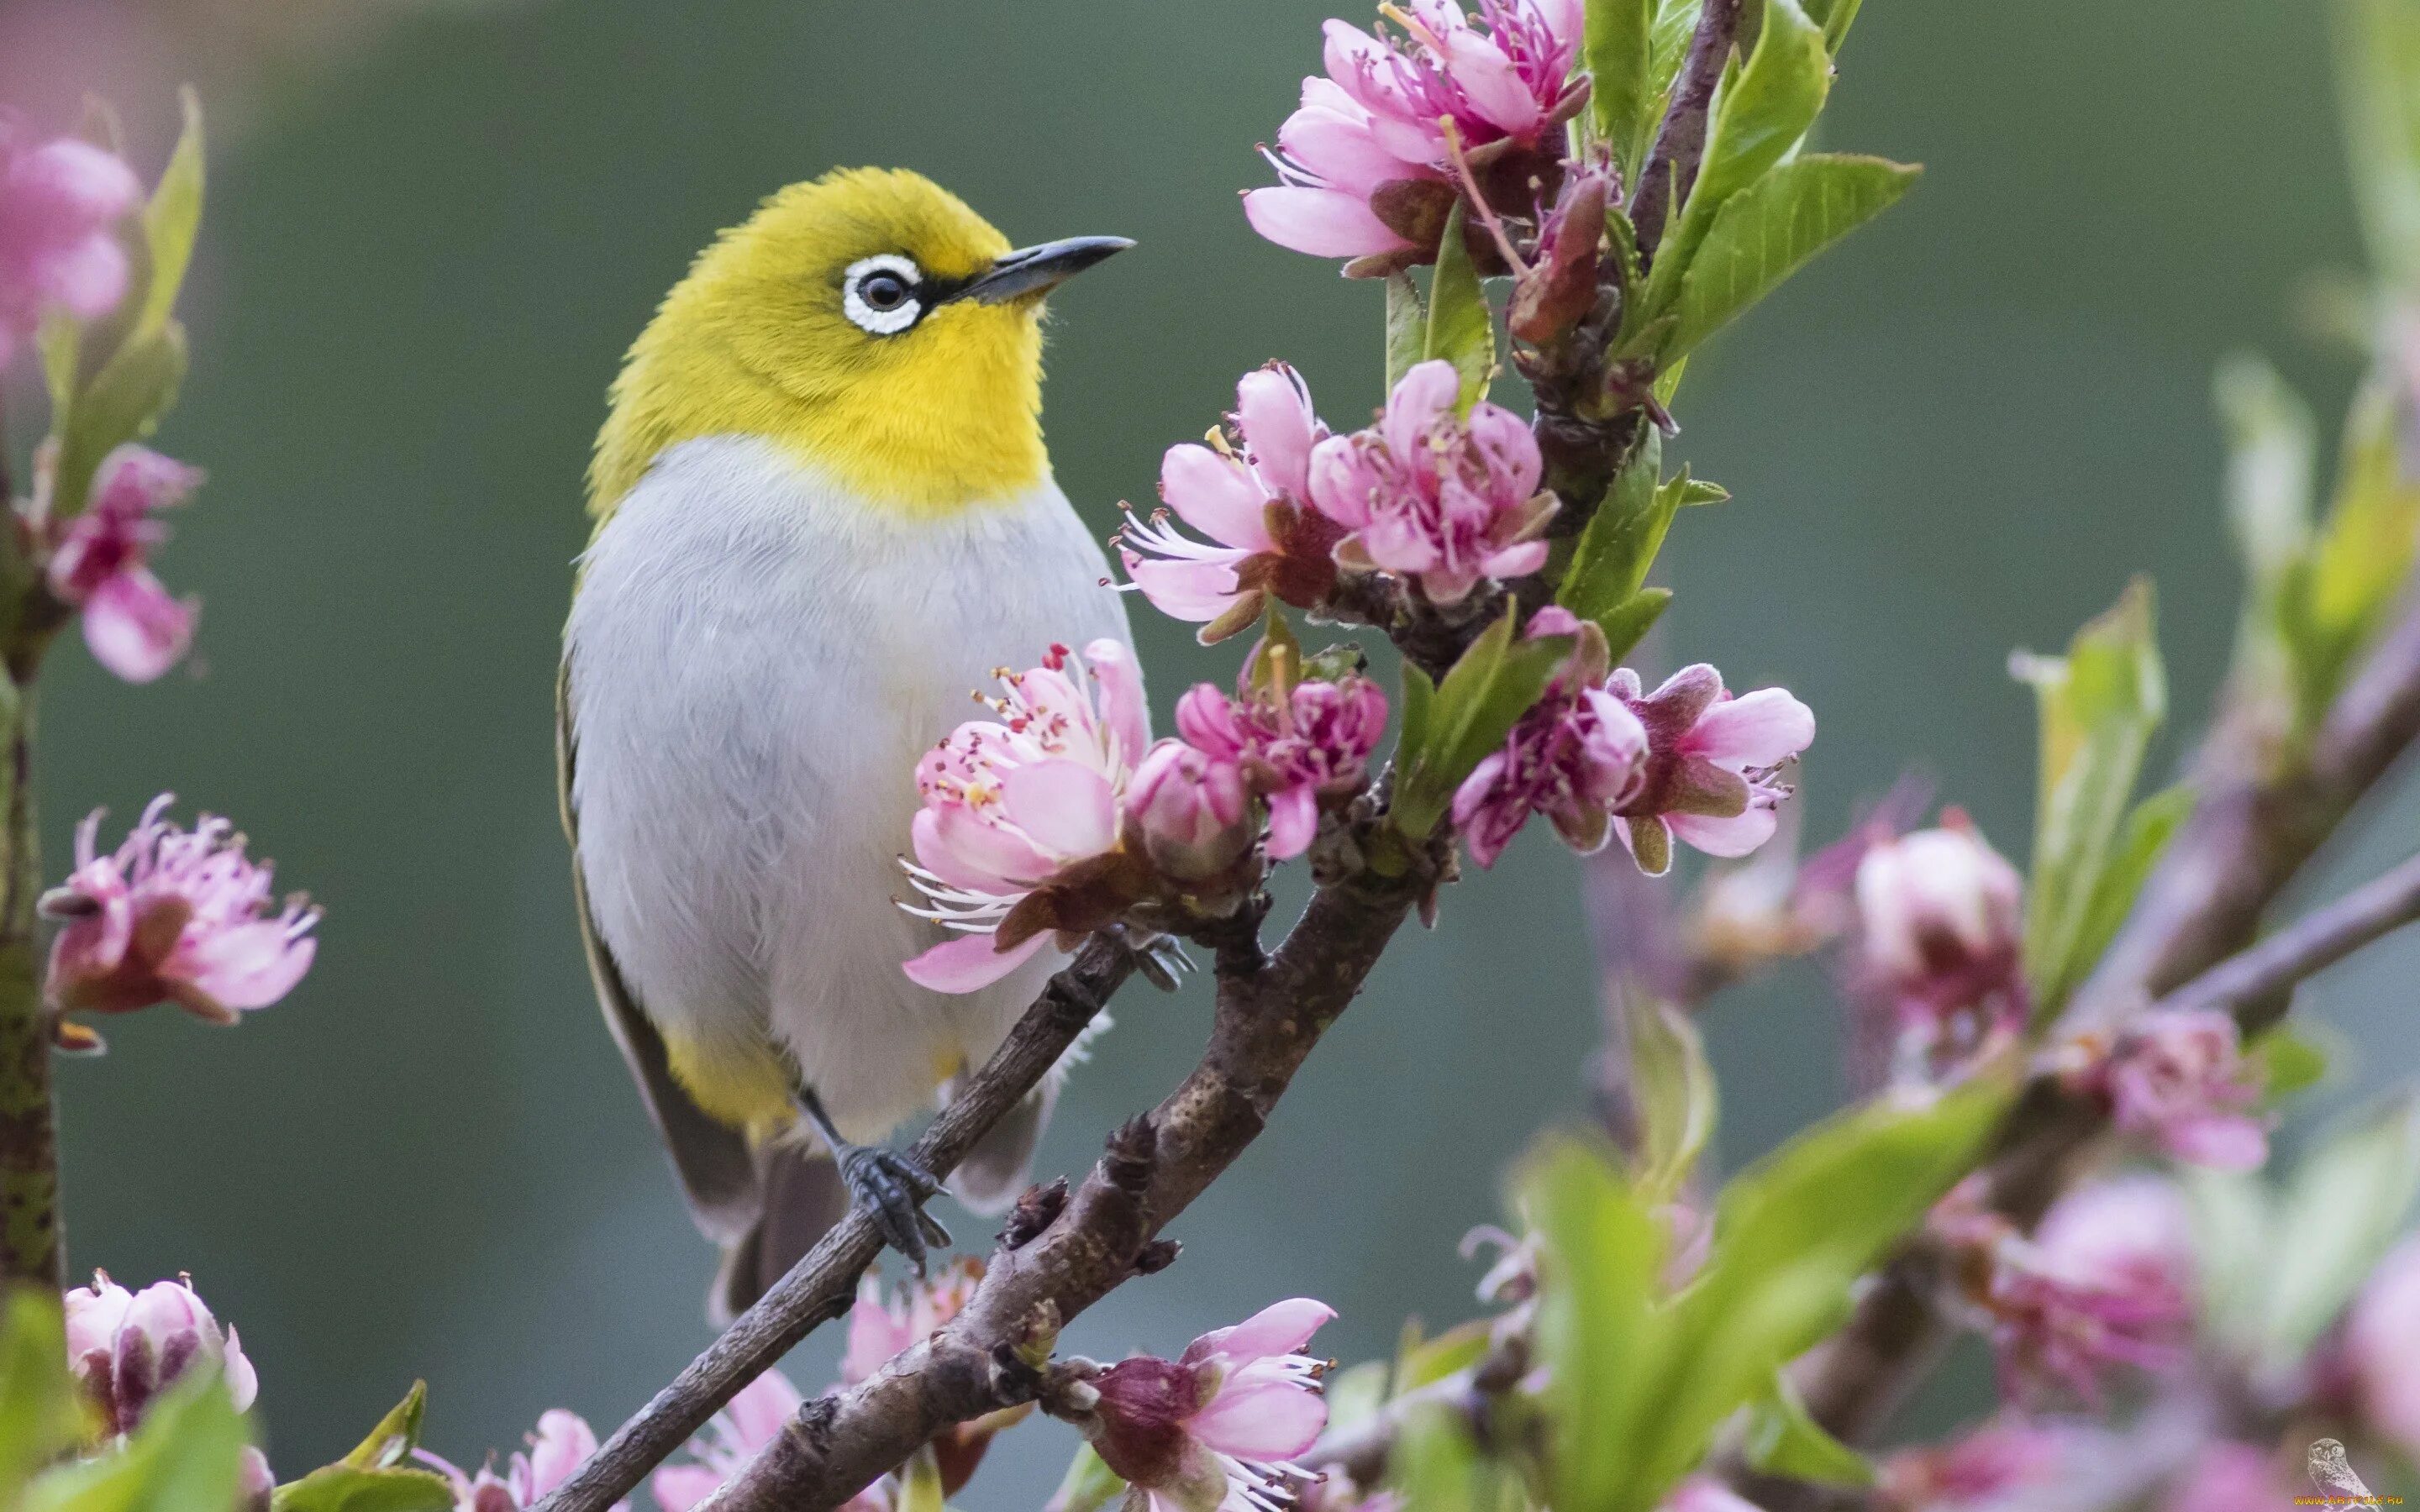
(1190, 809)
(125, 1348)
(1218, 1425)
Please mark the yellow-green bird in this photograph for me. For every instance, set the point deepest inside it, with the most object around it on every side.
(824, 515)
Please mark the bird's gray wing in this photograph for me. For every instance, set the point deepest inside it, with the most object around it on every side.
(1002, 1163)
(712, 1159)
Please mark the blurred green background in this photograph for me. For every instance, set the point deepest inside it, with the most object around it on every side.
(434, 227)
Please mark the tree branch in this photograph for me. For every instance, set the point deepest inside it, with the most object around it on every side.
(1671, 169)
(819, 1287)
(2255, 826)
(1271, 1011)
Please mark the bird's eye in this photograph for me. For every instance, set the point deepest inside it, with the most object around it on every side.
(879, 294)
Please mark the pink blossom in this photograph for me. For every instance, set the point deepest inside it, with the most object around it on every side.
(1216, 1428)
(561, 1444)
(1298, 745)
(1012, 804)
(1711, 765)
(1365, 166)
(1983, 1466)
(59, 203)
(1248, 492)
(131, 624)
(1575, 757)
(881, 1327)
(1704, 1494)
(1432, 497)
(2381, 1348)
(747, 1424)
(2229, 1478)
(173, 916)
(2106, 1280)
(2180, 1078)
(1190, 807)
(127, 1347)
(1942, 917)
(256, 1484)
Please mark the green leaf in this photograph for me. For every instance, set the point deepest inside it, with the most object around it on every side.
(1791, 1236)
(1597, 1336)
(40, 1414)
(2377, 74)
(2271, 446)
(1835, 17)
(2099, 704)
(1782, 1440)
(1696, 491)
(2345, 1204)
(1407, 322)
(123, 403)
(61, 340)
(1615, 49)
(1357, 1395)
(920, 1484)
(185, 1457)
(1769, 230)
(345, 1488)
(397, 1434)
(1424, 1362)
(2231, 1235)
(1620, 540)
(1461, 327)
(2362, 556)
(1485, 695)
(1668, 45)
(1626, 627)
(171, 220)
(2140, 844)
(2291, 1060)
(1757, 119)
(1088, 1485)
(1419, 699)
(1675, 1087)
(1436, 1466)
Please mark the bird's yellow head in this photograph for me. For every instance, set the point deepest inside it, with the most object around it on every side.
(869, 323)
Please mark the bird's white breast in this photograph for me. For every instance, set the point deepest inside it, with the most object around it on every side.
(757, 660)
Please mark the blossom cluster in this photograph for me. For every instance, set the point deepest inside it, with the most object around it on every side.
(126, 1349)
(59, 205)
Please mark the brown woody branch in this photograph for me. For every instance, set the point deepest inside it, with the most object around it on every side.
(2258, 824)
(819, 1287)
(1271, 1011)
(1671, 169)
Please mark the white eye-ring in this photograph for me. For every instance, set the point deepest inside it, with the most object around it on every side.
(879, 293)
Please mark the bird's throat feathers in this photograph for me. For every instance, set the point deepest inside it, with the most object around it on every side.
(753, 342)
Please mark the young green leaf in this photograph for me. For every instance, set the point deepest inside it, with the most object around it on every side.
(2292, 1058)
(1668, 45)
(1423, 1361)
(2099, 705)
(2345, 1204)
(1783, 1440)
(2362, 556)
(1615, 47)
(1628, 625)
(2141, 842)
(171, 221)
(187, 1452)
(1412, 727)
(1407, 323)
(1835, 17)
(2377, 74)
(1436, 1466)
(342, 1488)
(1675, 1087)
(920, 1484)
(1482, 698)
(1618, 545)
(1758, 118)
(1771, 229)
(1598, 1329)
(123, 403)
(1461, 327)
(40, 1414)
(396, 1435)
(1089, 1484)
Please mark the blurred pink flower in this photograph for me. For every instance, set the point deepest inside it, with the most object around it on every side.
(256, 1485)
(1942, 917)
(99, 564)
(127, 1347)
(561, 1443)
(2381, 1348)
(1711, 763)
(880, 1327)
(176, 918)
(1577, 756)
(1983, 1466)
(2180, 1078)
(59, 203)
(747, 1423)
(1011, 803)
(2106, 1280)
(1248, 492)
(1365, 165)
(1432, 497)
(1216, 1427)
(1295, 747)
(1704, 1494)
(2231, 1477)
(1190, 807)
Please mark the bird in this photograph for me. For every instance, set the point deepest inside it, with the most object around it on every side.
(823, 515)
(2332, 1472)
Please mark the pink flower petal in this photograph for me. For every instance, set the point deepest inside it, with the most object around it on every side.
(1294, 820)
(563, 1441)
(72, 179)
(1268, 1419)
(678, 1487)
(1323, 223)
(1123, 710)
(1216, 495)
(763, 1408)
(1069, 809)
(1280, 1328)
(1734, 836)
(1278, 426)
(135, 629)
(1760, 729)
(1493, 84)
(968, 964)
(1515, 561)
(1426, 393)
(1340, 149)
(246, 967)
(2222, 1142)
(86, 277)
(1198, 592)
(959, 847)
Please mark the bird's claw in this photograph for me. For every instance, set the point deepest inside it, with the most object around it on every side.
(892, 1188)
(1160, 958)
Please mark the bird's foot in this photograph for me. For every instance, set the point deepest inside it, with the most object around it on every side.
(892, 1189)
(1160, 958)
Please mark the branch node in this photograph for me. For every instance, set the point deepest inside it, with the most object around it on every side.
(1156, 1256)
(1036, 1210)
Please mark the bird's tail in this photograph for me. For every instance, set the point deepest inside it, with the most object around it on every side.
(800, 1196)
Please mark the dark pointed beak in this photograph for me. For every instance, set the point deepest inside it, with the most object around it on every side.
(1030, 271)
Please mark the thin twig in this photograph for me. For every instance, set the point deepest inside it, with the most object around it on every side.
(2256, 978)
(1671, 169)
(819, 1286)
